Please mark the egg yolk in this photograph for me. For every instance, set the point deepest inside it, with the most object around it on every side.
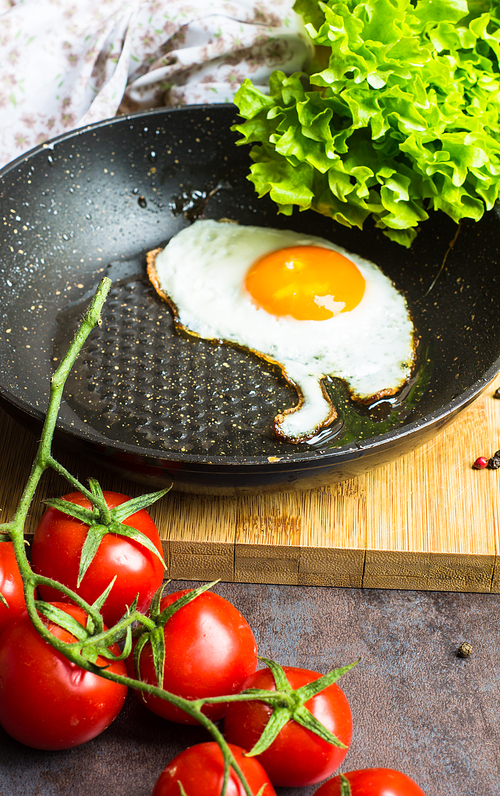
(310, 283)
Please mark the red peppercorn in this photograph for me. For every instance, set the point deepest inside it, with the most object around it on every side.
(481, 463)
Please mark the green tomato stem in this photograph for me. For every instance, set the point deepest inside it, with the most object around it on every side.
(62, 471)
(44, 458)
(15, 531)
(85, 651)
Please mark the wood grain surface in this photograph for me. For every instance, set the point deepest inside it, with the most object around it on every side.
(428, 521)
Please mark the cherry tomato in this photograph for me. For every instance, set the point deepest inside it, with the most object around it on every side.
(200, 769)
(297, 756)
(56, 549)
(373, 782)
(46, 701)
(210, 651)
(11, 585)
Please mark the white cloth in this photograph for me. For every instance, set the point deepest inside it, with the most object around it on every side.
(68, 63)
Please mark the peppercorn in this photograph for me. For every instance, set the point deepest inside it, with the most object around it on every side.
(494, 463)
(496, 394)
(464, 650)
(480, 463)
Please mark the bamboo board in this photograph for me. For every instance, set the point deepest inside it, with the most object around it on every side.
(427, 521)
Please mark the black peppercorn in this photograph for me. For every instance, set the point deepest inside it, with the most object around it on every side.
(464, 650)
(496, 394)
(494, 462)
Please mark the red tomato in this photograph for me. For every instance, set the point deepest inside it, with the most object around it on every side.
(210, 651)
(46, 701)
(373, 782)
(56, 549)
(11, 585)
(297, 756)
(200, 769)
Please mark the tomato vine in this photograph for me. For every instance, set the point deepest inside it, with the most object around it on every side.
(92, 641)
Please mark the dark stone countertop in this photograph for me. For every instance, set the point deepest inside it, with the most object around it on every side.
(416, 706)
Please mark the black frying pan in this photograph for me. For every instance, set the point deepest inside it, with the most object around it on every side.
(156, 406)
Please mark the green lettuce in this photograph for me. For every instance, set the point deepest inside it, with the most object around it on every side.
(397, 115)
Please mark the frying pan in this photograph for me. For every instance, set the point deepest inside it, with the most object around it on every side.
(159, 407)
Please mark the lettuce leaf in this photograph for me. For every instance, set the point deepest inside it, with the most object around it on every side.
(397, 115)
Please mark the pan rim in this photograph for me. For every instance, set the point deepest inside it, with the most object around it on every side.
(316, 457)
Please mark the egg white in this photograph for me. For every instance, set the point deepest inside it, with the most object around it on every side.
(202, 273)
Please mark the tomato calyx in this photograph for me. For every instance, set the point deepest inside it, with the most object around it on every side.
(67, 622)
(290, 705)
(155, 636)
(260, 792)
(91, 642)
(345, 786)
(102, 520)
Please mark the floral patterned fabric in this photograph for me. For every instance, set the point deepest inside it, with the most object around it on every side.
(68, 63)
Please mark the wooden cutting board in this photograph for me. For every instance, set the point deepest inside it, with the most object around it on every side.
(427, 521)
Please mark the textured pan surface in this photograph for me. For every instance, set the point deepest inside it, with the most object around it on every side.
(93, 202)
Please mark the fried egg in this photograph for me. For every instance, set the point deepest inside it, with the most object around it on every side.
(297, 301)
